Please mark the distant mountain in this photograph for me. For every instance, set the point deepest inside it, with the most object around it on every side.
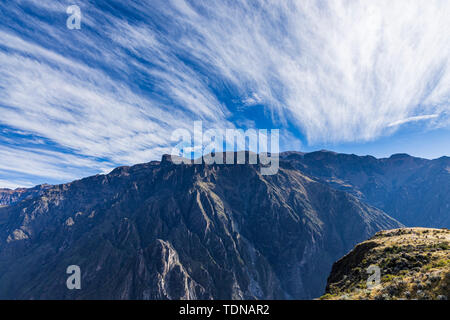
(412, 190)
(414, 264)
(8, 196)
(166, 231)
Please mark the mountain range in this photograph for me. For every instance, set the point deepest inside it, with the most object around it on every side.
(162, 230)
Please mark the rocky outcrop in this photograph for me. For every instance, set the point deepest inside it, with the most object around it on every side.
(414, 263)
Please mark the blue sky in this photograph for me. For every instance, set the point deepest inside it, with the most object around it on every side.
(364, 77)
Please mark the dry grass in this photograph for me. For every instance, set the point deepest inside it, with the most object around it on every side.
(414, 264)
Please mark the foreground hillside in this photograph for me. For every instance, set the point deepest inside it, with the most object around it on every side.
(414, 264)
(166, 231)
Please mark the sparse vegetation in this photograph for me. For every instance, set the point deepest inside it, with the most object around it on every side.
(414, 264)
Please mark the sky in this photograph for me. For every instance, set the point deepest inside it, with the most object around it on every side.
(363, 77)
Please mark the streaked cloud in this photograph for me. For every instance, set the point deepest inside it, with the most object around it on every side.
(112, 93)
(413, 119)
(341, 70)
(15, 184)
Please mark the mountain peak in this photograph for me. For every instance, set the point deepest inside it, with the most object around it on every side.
(400, 156)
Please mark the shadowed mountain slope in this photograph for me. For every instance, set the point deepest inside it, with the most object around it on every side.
(166, 231)
(412, 190)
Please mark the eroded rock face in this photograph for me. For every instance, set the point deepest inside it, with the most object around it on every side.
(166, 231)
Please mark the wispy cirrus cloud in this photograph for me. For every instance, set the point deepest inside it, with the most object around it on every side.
(342, 70)
(112, 92)
(77, 104)
(47, 164)
(413, 119)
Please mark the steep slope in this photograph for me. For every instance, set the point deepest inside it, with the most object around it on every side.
(414, 191)
(166, 231)
(414, 264)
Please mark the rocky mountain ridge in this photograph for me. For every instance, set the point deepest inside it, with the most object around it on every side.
(8, 196)
(165, 231)
(413, 190)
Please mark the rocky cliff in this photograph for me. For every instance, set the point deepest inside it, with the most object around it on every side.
(166, 231)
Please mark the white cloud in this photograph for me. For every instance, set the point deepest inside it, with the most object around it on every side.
(43, 163)
(337, 70)
(413, 119)
(81, 108)
(342, 70)
(15, 184)
(78, 107)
